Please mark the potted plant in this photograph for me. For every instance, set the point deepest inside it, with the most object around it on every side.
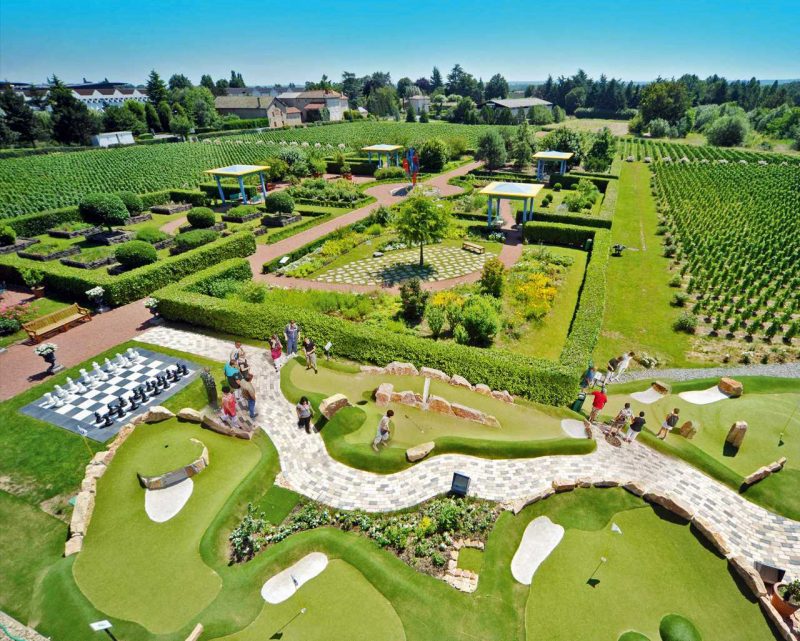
(786, 597)
(48, 352)
(95, 295)
(152, 305)
(34, 278)
(347, 171)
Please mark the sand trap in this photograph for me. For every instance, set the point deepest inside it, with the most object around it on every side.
(162, 505)
(648, 396)
(573, 428)
(704, 397)
(540, 538)
(284, 584)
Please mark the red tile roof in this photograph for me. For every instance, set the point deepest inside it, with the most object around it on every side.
(315, 106)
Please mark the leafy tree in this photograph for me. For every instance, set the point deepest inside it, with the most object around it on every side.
(42, 125)
(492, 277)
(727, 131)
(236, 81)
(433, 155)
(413, 300)
(179, 81)
(558, 114)
(436, 79)
(664, 99)
(497, 87)
(198, 103)
(564, 139)
(120, 119)
(479, 321)
(487, 115)
(540, 115)
(575, 98)
(423, 116)
(352, 88)
(659, 128)
(72, 122)
(422, 220)
(17, 115)
(522, 153)
(504, 117)
(164, 114)
(104, 209)
(465, 112)
(491, 148)
(7, 136)
(601, 153)
(151, 117)
(461, 83)
(222, 87)
(156, 89)
(180, 125)
(403, 87)
(382, 101)
(435, 316)
(424, 85)
(208, 82)
(411, 114)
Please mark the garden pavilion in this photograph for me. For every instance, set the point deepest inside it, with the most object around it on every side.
(495, 191)
(239, 172)
(384, 154)
(542, 157)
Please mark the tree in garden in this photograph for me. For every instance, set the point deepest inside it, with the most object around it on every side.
(727, 131)
(540, 115)
(382, 101)
(423, 116)
(180, 126)
(42, 125)
(558, 114)
(664, 99)
(72, 122)
(236, 80)
(179, 81)
(208, 82)
(479, 322)
(156, 89)
(601, 153)
(433, 155)
(497, 87)
(492, 277)
(221, 87)
(491, 149)
(422, 220)
(104, 209)
(413, 300)
(120, 119)
(411, 114)
(504, 117)
(17, 115)
(435, 317)
(151, 118)
(465, 112)
(198, 103)
(164, 114)
(436, 79)
(7, 136)
(565, 139)
(575, 98)
(659, 128)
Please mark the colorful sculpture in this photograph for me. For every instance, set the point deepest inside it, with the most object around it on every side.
(411, 165)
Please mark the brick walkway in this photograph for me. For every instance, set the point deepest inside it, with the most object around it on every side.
(747, 529)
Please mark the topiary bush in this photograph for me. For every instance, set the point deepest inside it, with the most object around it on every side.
(433, 155)
(104, 209)
(479, 320)
(686, 323)
(151, 235)
(201, 218)
(390, 173)
(241, 212)
(413, 300)
(279, 202)
(492, 277)
(133, 203)
(7, 235)
(135, 253)
(674, 627)
(193, 239)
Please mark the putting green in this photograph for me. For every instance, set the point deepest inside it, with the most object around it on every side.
(340, 603)
(133, 568)
(654, 568)
(173, 449)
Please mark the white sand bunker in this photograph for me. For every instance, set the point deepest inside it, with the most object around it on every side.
(704, 397)
(648, 396)
(540, 538)
(284, 584)
(573, 428)
(161, 505)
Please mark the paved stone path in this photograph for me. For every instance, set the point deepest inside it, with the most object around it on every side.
(747, 529)
(778, 370)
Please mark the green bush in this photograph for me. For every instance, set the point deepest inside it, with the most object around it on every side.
(492, 277)
(390, 173)
(480, 321)
(251, 292)
(201, 218)
(104, 209)
(674, 627)
(433, 155)
(135, 253)
(133, 203)
(7, 235)
(278, 170)
(557, 187)
(194, 239)
(686, 323)
(241, 211)
(413, 300)
(151, 235)
(492, 149)
(435, 317)
(279, 202)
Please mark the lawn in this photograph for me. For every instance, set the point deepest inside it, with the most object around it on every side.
(617, 127)
(638, 315)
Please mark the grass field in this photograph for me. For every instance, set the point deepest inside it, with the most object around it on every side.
(638, 315)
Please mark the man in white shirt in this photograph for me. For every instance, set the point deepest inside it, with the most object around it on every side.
(383, 434)
(622, 366)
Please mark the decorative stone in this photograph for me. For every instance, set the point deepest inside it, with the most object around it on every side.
(95, 471)
(759, 475)
(783, 626)
(671, 503)
(563, 485)
(777, 466)
(688, 429)
(711, 535)
(372, 369)
(190, 415)
(462, 411)
(584, 482)
(489, 420)
(482, 388)
(73, 545)
(730, 387)
(397, 368)
(383, 395)
(156, 414)
(503, 395)
(215, 424)
(460, 381)
(606, 483)
(634, 488)
(439, 405)
(736, 434)
(82, 513)
(661, 387)
(749, 575)
(89, 484)
(419, 452)
(101, 458)
(329, 406)
(437, 374)
(407, 397)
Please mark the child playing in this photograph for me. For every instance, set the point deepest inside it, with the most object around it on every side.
(229, 407)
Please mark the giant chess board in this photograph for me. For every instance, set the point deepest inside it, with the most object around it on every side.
(111, 394)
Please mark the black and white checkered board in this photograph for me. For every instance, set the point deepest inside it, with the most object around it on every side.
(79, 411)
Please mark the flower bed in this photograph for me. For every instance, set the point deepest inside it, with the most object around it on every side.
(280, 220)
(216, 227)
(141, 218)
(88, 263)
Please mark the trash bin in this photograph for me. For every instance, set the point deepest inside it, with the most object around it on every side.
(577, 405)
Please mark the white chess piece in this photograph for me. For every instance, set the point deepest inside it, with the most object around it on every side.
(81, 388)
(133, 355)
(85, 376)
(59, 402)
(71, 386)
(110, 367)
(119, 360)
(61, 392)
(49, 400)
(98, 372)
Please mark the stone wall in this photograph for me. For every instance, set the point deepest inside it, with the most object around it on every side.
(19, 630)
(174, 477)
(385, 394)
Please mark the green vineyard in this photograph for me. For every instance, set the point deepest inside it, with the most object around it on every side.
(735, 232)
(641, 149)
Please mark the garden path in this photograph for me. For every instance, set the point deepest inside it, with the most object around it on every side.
(747, 529)
(778, 370)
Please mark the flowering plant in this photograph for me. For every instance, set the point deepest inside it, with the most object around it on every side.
(95, 292)
(151, 303)
(45, 348)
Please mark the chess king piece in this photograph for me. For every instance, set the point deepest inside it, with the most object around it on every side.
(211, 386)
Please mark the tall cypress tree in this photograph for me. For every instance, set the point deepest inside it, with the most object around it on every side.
(156, 89)
(18, 116)
(72, 122)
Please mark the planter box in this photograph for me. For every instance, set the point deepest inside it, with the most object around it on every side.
(217, 227)
(170, 208)
(175, 250)
(163, 244)
(60, 233)
(70, 251)
(141, 218)
(259, 231)
(280, 220)
(111, 238)
(117, 269)
(21, 243)
(243, 219)
(91, 265)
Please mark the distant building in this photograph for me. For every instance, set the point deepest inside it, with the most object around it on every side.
(95, 95)
(420, 103)
(517, 105)
(312, 103)
(111, 138)
(247, 107)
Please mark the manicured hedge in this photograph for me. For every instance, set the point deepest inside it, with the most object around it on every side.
(285, 232)
(72, 283)
(540, 380)
(571, 219)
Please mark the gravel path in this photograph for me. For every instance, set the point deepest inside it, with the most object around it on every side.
(779, 370)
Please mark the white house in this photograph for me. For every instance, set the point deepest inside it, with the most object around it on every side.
(309, 102)
(420, 103)
(111, 138)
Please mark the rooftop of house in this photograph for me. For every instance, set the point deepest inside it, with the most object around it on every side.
(517, 103)
(243, 102)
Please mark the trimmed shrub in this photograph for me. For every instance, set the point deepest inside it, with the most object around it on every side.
(194, 239)
(492, 276)
(480, 321)
(674, 627)
(686, 323)
(413, 300)
(241, 211)
(390, 173)
(279, 202)
(151, 235)
(133, 203)
(201, 218)
(7, 235)
(104, 209)
(433, 155)
(135, 253)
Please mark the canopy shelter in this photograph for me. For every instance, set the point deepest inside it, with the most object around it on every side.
(384, 154)
(542, 157)
(239, 172)
(525, 192)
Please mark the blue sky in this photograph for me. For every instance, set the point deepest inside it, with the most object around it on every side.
(294, 41)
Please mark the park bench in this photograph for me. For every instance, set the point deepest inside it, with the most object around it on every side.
(475, 248)
(54, 321)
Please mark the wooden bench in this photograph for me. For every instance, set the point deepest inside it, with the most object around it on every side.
(475, 248)
(55, 321)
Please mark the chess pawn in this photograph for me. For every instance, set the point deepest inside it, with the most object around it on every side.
(85, 376)
(61, 392)
(81, 388)
(49, 400)
(110, 367)
(100, 375)
(98, 417)
(71, 387)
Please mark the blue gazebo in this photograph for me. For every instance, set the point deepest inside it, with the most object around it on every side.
(384, 154)
(496, 191)
(542, 157)
(239, 172)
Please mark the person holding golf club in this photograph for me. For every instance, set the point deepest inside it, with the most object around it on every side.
(383, 434)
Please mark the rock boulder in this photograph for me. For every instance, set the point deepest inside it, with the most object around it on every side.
(482, 388)
(190, 415)
(736, 434)
(749, 575)
(460, 381)
(82, 513)
(711, 535)
(439, 405)
(437, 374)
(397, 368)
(372, 369)
(419, 452)
(671, 503)
(730, 387)
(503, 395)
(214, 423)
(468, 413)
(660, 387)
(73, 545)
(329, 406)
(156, 414)
(563, 485)
(383, 395)
(689, 429)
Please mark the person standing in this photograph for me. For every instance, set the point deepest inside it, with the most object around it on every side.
(275, 350)
(636, 426)
(233, 375)
(304, 413)
(229, 407)
(383, 434)
(624, 362)
(249, 396)
(311, 354)
(291, 333)
(598, 403)
(669, 422)
(588, 377)
(621, 419)
(237, 353)
(211, 387)
(611, 368)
